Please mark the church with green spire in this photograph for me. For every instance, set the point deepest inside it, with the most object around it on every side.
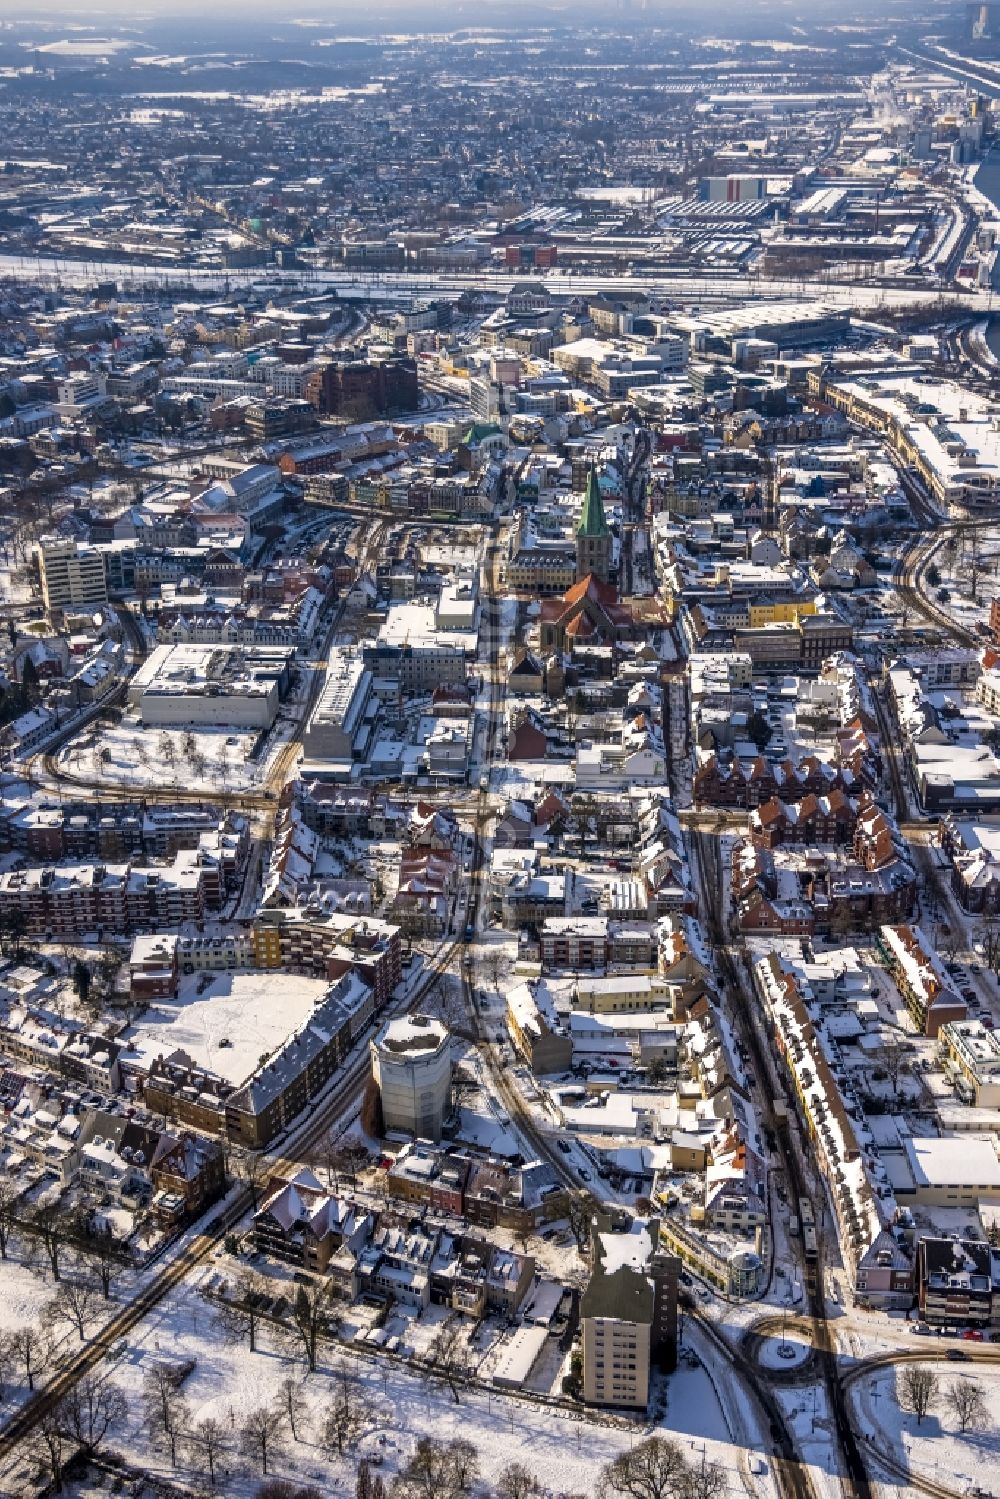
(593, 538)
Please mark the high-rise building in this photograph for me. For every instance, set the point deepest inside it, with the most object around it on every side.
(628, 1313)
(72, 573)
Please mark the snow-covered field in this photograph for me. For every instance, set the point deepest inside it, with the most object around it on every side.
(23, 1293)
(935, 1448)
(196, 759)
(564, 1450)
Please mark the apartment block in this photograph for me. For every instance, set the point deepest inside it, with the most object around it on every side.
(72, 573)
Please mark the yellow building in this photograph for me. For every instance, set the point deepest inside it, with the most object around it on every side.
(616, 1350)
(621, 994)
(267, 946)
(788, 613)
(974, 1054)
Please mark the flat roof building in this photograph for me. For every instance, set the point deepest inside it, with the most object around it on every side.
(974, 1052)
(628, 1313)
(72, 573)
(950, 1171)
(335, 730)
(237, 685)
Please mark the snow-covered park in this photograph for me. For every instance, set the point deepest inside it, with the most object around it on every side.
(189, 759)
(565, 1450)
(933, 1446)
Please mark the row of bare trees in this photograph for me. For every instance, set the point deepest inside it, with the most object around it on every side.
(314, 1314)
(49, 1235)
(436, 1470)
(919, 1391)
(27, 1352)
(340, 1415)
(655, 1469)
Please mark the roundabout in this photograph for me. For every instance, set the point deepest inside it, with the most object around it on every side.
(783, 1346)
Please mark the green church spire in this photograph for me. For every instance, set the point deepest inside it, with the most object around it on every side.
(593, 521)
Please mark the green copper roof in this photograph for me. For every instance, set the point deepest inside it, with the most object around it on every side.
(478, 431)
(592, 518)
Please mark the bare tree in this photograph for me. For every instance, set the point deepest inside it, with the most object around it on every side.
(79, 1422)
(109, 965)
(891, 1057)
(250, 1168)
(348, 1414)
(241, 1314)
(516, 1482)
(369, 1485)
(579, 1213)
(439, 1470)
(91, 1409)
(495, 963)
(168, 752)
(966, 1399)
(49, 1224)
(991, 945)
(52, 1443)
(656, 1469)
(107, 1257)
(205, 1440)
(463, 1459)
(8, 1361)
(30, 1351)
(312, 1315)
(974, 566)
(917, 1390)
(74, 1302)
(337, 1159)
(706, 1480)
(293, 1401)
(165, 1407)
(260, 1434)
(448, 1355)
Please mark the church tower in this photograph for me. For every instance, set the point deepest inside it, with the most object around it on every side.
(593, 539)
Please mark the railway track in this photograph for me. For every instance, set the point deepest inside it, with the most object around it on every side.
(23, 1421)
(711, 879)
